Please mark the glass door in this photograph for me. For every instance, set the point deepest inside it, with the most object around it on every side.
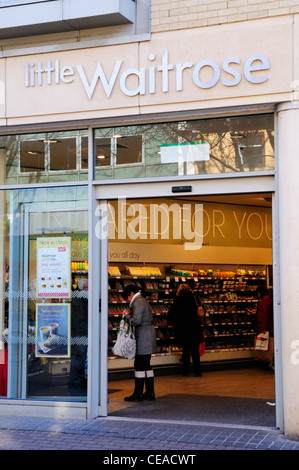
(48, 294)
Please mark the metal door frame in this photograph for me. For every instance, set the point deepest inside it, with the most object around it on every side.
(25, 223)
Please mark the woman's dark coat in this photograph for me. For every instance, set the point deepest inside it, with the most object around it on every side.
(183, 315)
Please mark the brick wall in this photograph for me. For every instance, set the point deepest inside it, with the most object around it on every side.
(168, 15)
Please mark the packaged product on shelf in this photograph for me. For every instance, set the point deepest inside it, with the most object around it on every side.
(183, 272)
(113, 271)
(143, 271)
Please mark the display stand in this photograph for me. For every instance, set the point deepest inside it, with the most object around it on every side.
(227, 296)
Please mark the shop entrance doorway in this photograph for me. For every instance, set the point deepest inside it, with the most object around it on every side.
(221, 245)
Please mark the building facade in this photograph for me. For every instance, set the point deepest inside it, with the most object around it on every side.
(137, 100)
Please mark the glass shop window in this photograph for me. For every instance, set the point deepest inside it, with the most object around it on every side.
(235, 144)
(62, 154)
(102, 152)
(129, 150)
(32, 156)
(44, 157)
(118, 150)
(84, 153)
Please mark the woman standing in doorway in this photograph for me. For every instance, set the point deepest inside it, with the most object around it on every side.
(264, 316)
(140, 315)
(189, 332)
(264, 312)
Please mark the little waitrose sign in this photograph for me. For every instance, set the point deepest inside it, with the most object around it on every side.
(204, 74)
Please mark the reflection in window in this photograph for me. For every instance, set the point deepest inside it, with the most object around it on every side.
(84, 153)
(44, 157)
(118, 150)
(32, 156)
(129, 149)
(251, 151)
(102, 152)
(197, 147)
(62, 154)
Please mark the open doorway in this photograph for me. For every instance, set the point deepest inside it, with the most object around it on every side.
(222, 247)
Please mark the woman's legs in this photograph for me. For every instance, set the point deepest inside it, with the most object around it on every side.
(194, 350)
(196, 359)
(143, 374)
(149, 379)
(185, 358)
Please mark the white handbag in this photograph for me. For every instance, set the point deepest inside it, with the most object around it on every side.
(262, 342)
(125, 345)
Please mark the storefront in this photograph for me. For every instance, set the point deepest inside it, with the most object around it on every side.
(144, 124)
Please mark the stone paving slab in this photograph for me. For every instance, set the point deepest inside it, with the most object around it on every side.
(122, 434)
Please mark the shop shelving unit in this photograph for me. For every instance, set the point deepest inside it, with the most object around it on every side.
(228, 298)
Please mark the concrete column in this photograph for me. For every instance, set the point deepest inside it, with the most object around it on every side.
(287, 166)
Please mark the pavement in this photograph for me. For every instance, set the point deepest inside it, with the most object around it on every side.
(126, 437)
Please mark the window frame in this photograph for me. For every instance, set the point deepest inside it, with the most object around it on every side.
(47, 155)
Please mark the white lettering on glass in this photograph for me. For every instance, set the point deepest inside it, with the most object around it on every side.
(229, 73)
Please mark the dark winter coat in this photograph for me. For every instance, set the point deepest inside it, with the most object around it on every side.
(265, 315)
(183, 315)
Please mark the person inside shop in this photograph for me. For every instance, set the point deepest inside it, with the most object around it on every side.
(140, 315)
(188, 329)
(77, 383)
(264, 314)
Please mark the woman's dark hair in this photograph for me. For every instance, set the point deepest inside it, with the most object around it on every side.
(263, 290)
(129, 289)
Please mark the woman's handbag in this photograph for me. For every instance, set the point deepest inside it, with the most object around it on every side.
(262, 342)
(263, 347)
(200, 312)
(125, 345)
(202, 346)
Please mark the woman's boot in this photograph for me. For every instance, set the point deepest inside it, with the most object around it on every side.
(149, 386)
(139, 384)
